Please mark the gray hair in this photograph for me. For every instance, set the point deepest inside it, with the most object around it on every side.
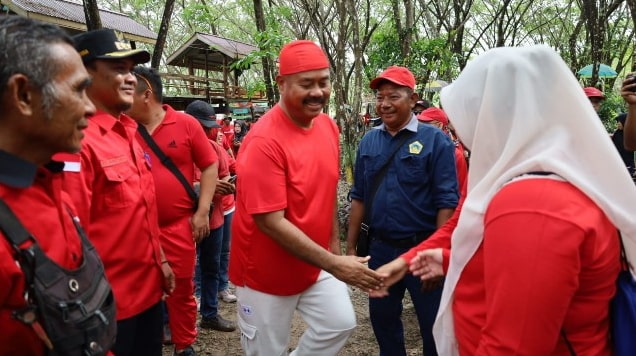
(25, 48)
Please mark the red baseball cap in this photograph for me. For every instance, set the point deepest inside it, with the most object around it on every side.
(592, 92)
(433, 114)
(395, 74)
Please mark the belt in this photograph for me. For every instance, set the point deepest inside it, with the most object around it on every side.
(405, 242)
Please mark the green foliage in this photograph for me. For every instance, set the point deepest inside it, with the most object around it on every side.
(610, 108)
(269, 43)
(428, 58)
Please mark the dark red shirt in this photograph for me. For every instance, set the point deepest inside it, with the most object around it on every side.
(115, 195)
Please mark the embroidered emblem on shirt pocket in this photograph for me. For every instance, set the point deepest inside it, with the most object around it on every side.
(415, 148)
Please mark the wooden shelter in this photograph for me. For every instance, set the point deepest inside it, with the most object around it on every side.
(208, 59)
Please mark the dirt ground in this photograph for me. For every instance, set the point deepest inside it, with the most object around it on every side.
(361, 343)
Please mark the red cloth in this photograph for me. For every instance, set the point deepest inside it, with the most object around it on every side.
(182, 313)
(302, 174)
(301, 56)
(548, 262)
(216, 215)
(228, 131)
(41, 208)
(461, 166)
(441, 238)
(181, 138)
(115, 196)
(228, 199)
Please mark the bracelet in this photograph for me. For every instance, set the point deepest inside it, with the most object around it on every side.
(166, 261)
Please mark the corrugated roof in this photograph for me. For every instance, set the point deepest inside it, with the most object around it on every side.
(229, 47)
(74, 12)
(204, 48)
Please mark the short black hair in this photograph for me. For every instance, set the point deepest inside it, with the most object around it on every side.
(149, 76)
(25, 48)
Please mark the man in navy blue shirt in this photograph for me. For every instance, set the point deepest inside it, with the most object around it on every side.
(417, 194)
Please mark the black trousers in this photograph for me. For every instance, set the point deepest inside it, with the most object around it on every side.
(140, 335)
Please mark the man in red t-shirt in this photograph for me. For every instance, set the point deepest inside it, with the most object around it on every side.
(285, 244)
(115, 195)
(181, 139)
(35, 124)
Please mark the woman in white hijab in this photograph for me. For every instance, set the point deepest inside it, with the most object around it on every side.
(535, 255)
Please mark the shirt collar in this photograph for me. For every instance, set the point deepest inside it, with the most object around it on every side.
(170, 117)
(18, 173)
(107, 121)
(411, 126)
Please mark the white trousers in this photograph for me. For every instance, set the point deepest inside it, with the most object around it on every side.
(265, 319)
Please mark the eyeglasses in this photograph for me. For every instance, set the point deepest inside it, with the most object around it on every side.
(145, 81)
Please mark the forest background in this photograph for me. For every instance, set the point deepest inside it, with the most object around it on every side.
(434, 38)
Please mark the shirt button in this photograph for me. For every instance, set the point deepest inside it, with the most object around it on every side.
(74, 257)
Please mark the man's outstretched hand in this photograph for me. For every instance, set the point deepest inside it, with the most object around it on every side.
(354, 271)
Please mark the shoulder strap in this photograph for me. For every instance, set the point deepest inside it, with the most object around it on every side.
(368, 202)
(167, 162)
(13, 230)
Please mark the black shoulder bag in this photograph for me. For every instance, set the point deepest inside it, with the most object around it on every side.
(167, 162)
(364, 241)
(71, 311)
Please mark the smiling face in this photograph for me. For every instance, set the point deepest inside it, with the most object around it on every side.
(113, 86)
(304, 95)
(394, 103)
(57, 127)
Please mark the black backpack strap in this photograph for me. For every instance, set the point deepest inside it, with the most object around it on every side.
(13, 230)
(167, 162)
(29, 257)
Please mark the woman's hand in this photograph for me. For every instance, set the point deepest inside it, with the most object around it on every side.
(427, 264)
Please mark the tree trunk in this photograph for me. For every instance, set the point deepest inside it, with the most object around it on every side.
(409, 28)
(632, 11)
(91, 13)
(272, 98)
(163, 33)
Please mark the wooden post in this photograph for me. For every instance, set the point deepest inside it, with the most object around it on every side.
(207, 82)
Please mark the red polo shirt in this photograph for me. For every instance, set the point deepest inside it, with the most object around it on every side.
(115, 196)
(35, 196)
(181, 138)
(283, 167)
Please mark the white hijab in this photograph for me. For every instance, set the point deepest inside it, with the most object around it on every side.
(521, 110)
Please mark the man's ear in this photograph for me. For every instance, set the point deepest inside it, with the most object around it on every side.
(414, 99)
(280, 81)
(147, 95)
(20, 93)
